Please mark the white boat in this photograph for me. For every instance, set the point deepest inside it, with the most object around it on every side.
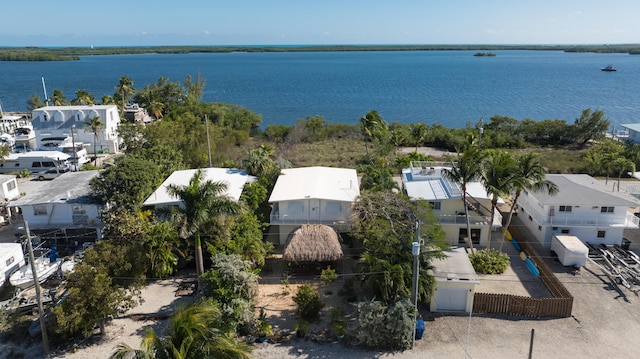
(80, 156)
(24, 133)
(67, 266)
(11, 258)
(7, 139)
(51, 143)
(23, 277)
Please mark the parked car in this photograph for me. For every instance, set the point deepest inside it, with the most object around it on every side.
(52, 173)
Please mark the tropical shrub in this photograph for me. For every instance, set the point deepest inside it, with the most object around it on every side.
(233, 284)
(309, 302)
(489, 261)
(328, 275)
(386, 328)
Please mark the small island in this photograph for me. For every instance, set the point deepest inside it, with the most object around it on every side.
(484, 54)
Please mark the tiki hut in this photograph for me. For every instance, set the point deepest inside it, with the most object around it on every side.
(313, 243)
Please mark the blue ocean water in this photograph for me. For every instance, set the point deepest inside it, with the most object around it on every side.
(445, 87)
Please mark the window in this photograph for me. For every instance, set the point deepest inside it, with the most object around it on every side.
(10, 261)
(564, 231)
(565, 209)
(436, 206)
(39, 210)
(48, 164)
(530, 218)
(604, 209)
(333, 207)
(79, 215)
(11, 185)
(36, 164)
(540, 228)
(295, 207)
(601, 234)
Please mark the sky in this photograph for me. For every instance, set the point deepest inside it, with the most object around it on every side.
(326, 22)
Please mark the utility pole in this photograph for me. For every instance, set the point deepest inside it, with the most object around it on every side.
(75, 152)
(206, 124)
(415, 250)
(32, 261)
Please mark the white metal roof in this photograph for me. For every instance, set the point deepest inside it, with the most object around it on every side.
(582, 189)
(329, 183)
(234, 178)
(434, 187)
(48, 154)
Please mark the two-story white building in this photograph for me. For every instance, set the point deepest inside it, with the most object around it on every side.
(583, 207)
(58, 121)
(64, 209)
(312, 195)
(426, 181)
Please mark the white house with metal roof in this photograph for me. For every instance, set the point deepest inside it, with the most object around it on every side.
(312, 195)
(425, 181)
(633, 132)
(583, 207)
(53, 121)
(64, 208)
(234, 179)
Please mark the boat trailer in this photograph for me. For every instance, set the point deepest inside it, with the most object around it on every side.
(620, 265)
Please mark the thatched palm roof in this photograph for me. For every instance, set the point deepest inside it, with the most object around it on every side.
(313, 243)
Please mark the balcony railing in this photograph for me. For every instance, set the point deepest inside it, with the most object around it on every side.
(629, 221)
(461, 219)
(275, 219)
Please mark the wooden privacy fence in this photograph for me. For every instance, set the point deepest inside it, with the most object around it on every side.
(522, 306)
(557, 306)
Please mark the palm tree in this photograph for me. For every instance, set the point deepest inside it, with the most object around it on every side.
(83, 98)
(94, 125)
(397, 138)
(371, 123)
(125, 89)
(201, 201)
(466, 169)
(497, 173)
(419, 132)
(258, 160)
(193, 332)
(621, 165)
(529, 175)
(58, 98)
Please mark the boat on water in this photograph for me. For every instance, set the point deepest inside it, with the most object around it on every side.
(609, 68)
(45, 268)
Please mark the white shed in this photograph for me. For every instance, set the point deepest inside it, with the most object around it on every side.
(455, 282)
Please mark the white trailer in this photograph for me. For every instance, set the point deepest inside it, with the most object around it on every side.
(11, 258)
(570, 250)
